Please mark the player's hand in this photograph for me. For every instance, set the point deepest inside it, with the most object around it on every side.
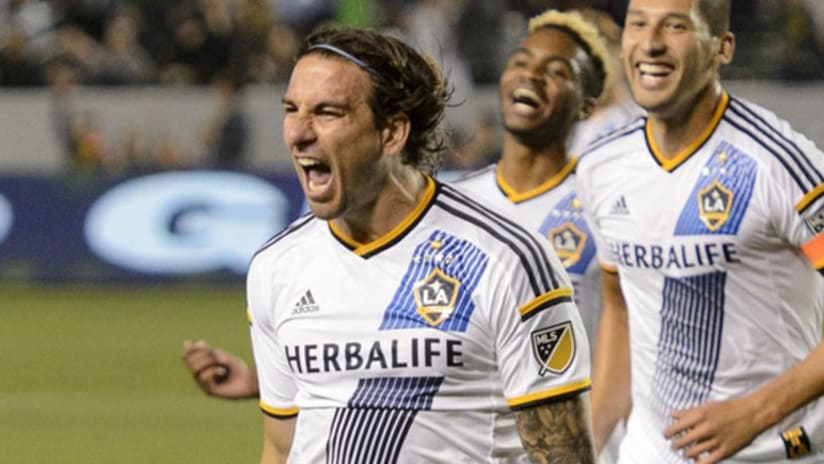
(713, 431)
(219, 373)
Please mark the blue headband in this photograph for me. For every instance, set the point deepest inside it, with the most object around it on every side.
(346, 55)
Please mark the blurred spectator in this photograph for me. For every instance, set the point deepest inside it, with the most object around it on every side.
(484, 52)
(122, 60)
(62, 73)
(34, 20)
(804, 57)
(89, 155)
(74, 43)
(303, 15)
(90, 16)
(429, 26)
(274, 62)
(125, 42)
(203, 43)
(17, 67)
(816, 10)
(227, 132)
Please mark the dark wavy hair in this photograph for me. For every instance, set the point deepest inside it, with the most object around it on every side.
(403, 81)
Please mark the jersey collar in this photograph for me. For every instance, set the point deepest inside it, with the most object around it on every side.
(552, 182)
(669, 165)
(366, 250)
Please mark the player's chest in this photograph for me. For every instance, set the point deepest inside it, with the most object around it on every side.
(705, 212)
(415, 308)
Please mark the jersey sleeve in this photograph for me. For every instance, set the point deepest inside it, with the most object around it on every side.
(796, 196)
(606, 258)
(542, 346)
(275, 380)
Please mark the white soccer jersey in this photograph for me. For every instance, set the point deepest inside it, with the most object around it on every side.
(708, 247)
(602, 122)
(554, 210)
(415, 347)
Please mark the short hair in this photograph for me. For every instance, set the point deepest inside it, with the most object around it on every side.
(587, 36)
(717, 14)
(403, 81)
(609, 29)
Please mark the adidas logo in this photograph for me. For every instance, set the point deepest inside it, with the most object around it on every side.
(306, 304)
(620, 206)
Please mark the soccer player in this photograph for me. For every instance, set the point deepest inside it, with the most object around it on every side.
(615, 106)
(219, 373)
(709, 213)
(401, 321)
(552, 80)
(550, 83)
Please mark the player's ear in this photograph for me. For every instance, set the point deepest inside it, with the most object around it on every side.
(395, 133)
(726, 48)
(587, 106)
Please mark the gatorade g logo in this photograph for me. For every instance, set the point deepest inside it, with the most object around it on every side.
(554, 348)
(185, 222)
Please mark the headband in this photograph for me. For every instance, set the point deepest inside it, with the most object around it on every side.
(347, 55)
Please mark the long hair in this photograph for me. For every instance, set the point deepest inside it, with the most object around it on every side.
(403, 81)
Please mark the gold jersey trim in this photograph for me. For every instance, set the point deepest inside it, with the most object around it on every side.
(541, 301)
(537, 397)
(552, 182)
(670, 164)
(362, 249)
(278, 412)
(810, 197)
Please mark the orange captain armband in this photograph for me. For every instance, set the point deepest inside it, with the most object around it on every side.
(814, 251)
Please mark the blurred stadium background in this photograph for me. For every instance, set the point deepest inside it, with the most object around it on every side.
(141, 166)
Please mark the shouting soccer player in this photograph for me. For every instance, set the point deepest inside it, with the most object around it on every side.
(401, 321)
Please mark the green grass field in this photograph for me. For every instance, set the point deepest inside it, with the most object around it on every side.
(93, 375)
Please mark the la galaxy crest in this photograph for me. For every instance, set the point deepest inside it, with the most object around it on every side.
(714, 205)
(554, 348)
(569, 242)
(435, 296)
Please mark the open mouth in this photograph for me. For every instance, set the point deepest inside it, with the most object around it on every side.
(317, 173)
(654, 69)
(526, 97)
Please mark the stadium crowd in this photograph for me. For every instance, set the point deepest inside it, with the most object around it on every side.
(148, 42)
(64, 45)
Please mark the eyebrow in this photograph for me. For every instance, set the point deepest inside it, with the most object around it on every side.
(667, 15)
(550, 59)
(321, 104)
(520, 50)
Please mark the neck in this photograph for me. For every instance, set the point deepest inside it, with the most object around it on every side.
(673, 133)
(400, 194)
(524, 168)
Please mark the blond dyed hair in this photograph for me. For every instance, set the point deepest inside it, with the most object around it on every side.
(588, 36)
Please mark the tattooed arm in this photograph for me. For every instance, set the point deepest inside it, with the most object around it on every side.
(558, 433)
